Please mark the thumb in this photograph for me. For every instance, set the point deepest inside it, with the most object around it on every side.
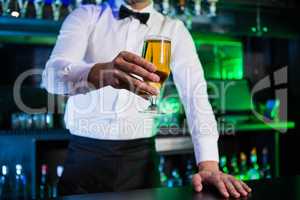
(197, 182)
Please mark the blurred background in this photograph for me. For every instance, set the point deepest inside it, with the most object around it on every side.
(250, 52)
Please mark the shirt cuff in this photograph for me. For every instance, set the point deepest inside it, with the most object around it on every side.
(206, 149)
(79, 76)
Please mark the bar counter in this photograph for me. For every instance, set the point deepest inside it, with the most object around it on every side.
(281, 188)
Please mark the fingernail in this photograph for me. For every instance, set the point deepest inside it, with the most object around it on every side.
(155, 91)
(199, 189)
(155, 77)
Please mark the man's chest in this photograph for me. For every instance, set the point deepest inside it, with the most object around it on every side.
(110, 36)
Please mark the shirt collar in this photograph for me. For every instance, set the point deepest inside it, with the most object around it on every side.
(147, 9)
(116, 4)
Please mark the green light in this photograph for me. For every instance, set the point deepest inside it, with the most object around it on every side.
(170, 105)
(253, 29)
(221, 56)
(265, 29)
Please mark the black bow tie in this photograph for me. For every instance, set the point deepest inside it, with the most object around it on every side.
(125, 12)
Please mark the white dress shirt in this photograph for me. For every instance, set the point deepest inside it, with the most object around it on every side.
(94, 34)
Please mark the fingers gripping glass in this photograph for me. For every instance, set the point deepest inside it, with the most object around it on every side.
(157, 50)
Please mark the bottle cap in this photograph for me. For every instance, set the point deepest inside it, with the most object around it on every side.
(4, 170)
(44, 169)
(18, 169)
(59, 170)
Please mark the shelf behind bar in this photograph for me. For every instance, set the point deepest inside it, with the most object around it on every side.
(180, 143)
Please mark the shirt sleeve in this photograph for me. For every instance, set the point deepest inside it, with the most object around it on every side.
(66, 70)
(192, 88)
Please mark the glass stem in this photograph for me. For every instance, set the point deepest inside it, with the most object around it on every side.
(153, 102)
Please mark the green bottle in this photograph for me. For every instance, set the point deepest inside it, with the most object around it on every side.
(235, 171)
(243, 167)
(266, 167)
(223, 164)
(254, 171)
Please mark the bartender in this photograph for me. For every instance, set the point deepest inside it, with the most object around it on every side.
(96, 62)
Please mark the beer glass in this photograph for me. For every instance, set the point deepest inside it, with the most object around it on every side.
(157, 50)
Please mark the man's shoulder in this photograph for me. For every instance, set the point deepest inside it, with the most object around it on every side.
(173, 21)
(92, 8)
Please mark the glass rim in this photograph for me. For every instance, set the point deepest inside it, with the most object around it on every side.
(157, 37)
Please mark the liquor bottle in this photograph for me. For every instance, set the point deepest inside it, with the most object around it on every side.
(47, 12)
(189, 172)
(30, 11)
(175, 180)
(13, 8)
(65, 9)
(254, 171)
(45, 189)
(223, 164)
(243, 167)
(20, 183)
(234, 166)
(88, 2)
(4, 183)
(181, 6)
(1, 7)
(161, 168)
(59, 172)
(266, 168)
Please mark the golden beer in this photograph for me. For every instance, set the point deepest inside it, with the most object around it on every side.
(157, 50)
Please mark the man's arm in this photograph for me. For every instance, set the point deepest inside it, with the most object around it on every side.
(191, 85)
(66, 71)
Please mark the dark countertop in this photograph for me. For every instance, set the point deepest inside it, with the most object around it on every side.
(286, 188)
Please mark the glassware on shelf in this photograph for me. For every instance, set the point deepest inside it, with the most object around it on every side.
(197, 7)
(212, 7)
(165, 7)
(13, 8)
(39, 8)
(56, 9)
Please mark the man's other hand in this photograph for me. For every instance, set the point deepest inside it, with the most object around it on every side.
(227, 185)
